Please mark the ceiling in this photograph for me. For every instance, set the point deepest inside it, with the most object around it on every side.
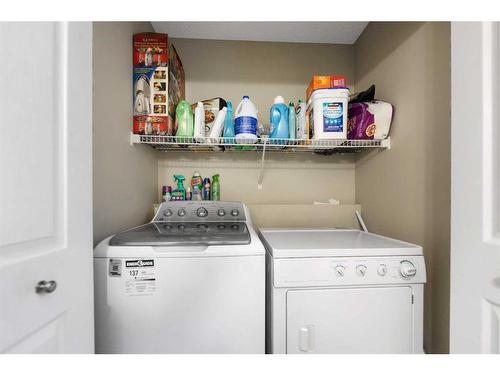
(298, 32)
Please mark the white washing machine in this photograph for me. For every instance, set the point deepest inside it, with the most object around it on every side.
(191, 281)
(342, 291)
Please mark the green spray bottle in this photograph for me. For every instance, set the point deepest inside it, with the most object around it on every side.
(184, 122)
(179, 194)
(215, 188)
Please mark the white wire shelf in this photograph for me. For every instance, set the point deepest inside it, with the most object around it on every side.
(322, 146)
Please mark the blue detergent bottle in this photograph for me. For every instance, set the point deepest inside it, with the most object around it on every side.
(229, 122)
(279, 119)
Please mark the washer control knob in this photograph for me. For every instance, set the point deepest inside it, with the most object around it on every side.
(201, 212)
(407, 269)
(181, 212)
(361, 270)
(167, 212)
(340, 271)
(221, 212)
(235, 212)
(382, 270)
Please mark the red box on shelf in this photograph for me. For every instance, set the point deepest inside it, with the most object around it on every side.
(158, 84)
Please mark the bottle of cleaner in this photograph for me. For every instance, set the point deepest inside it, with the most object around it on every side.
(279, 119)
(215, 188)
(207, 189)
(179, 194)
(291, 120)
(196, 180)
(245, 121)
(229, 122)
(199, 123)
(197, 186)
(302, 132)
(184, 120)
(216, 130)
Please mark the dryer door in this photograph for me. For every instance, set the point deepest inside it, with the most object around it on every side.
(354, 320)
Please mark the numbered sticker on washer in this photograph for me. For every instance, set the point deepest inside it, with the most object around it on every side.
(140, 279)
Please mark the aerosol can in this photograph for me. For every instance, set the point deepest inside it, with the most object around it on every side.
(207, 189)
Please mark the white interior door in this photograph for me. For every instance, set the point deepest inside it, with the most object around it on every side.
(45, 189)
(475, 195)
(356, 320)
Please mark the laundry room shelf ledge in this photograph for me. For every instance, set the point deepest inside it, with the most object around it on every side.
(333, 146)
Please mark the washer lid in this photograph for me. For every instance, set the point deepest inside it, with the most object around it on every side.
(304, 243)
(184, 234)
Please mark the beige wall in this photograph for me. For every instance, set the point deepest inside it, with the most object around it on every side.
(262, 70)
(405, 192)
(288, 178)
(125, 176)
(231, 69)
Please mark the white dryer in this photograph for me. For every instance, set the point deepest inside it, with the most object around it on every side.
(191, 281)
(342, 291)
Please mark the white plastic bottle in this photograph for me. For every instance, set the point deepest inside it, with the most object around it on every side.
(216, 130)
(300, 120)
(199, 123)
(245, 122)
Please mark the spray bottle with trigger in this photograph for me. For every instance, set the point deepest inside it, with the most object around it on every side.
(179, 194)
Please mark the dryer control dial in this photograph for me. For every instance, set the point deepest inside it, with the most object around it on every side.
(361, 270)
(181, 212)
(407, 269)
(382, 270)
(167, 212)
(340, 270)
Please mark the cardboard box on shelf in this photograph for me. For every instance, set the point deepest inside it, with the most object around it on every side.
(158, 84)
(325, 82)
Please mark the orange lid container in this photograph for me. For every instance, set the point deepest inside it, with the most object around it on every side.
(325, 82)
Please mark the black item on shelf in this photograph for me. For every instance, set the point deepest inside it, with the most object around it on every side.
(364, 96)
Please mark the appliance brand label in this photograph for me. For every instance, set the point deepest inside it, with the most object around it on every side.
(140, 263)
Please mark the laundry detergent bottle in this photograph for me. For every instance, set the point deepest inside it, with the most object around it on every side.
(184, 120)
(245, 121)
(279, 119)
(229, 122)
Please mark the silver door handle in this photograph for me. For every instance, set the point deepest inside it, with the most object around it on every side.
(45, 286)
